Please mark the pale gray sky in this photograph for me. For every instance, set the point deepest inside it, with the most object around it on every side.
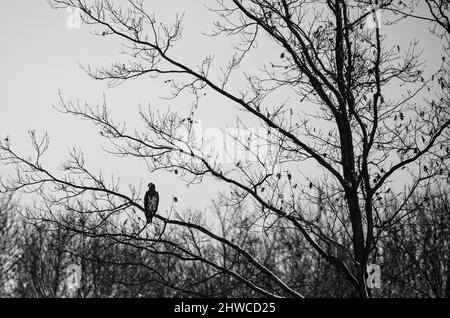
(39, 55)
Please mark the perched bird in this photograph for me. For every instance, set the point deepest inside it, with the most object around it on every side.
(151, 200)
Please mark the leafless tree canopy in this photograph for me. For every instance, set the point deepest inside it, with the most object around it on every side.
(369, 114)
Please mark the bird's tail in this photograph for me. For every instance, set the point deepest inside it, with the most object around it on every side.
(150, 219)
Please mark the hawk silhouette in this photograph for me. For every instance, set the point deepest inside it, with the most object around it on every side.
(151, 200)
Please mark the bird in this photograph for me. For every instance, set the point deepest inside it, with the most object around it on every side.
(151, 201)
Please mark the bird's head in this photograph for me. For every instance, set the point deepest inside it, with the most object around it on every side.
(151, 186)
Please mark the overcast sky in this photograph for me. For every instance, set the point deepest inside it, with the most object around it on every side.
(40, 55)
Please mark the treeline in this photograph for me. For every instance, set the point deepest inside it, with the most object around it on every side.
(414, 256)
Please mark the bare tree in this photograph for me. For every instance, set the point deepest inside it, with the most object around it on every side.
(373, 116)
(8, 242)
(422, 236)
